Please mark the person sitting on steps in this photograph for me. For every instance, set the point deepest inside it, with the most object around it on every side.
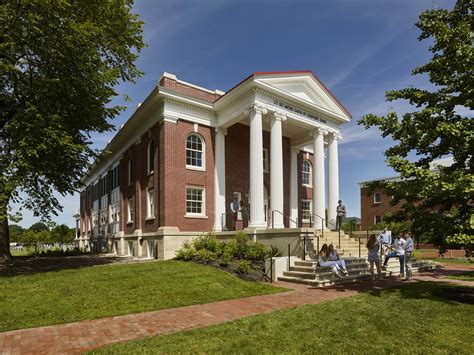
(333, 255)
(323, 261)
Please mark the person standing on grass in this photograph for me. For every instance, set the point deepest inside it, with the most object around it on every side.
(234, 208)
(323, 261)
(340, 214)
(385, 241)
(397, 252)
(408, 247)
(373, 247)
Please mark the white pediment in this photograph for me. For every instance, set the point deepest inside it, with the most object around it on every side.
(307, 88)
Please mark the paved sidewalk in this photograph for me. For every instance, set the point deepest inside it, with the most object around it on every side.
(86, 335)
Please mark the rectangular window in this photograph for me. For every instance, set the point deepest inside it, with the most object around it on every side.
(377, 197)
(377, 219)
(195, 201)
(130, 210)
(306, 210)
(115, 177)
(150, 209)
(266, 161)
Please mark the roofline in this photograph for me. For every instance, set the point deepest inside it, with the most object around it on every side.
(254, 74)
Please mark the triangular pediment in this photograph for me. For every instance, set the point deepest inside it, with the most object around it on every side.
(305, 87)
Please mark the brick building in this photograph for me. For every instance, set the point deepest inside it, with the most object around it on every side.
(374, 206)
(175, 166)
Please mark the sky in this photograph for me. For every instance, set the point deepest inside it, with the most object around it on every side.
(358, 48)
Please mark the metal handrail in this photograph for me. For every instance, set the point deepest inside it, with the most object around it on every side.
(325, 222)
(271, 267)
(284, 215)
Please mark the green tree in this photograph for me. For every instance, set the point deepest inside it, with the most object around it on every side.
(39, 227)
(33, 238)
(59, 63)
(16, 232)
(439, 201)
(62, 234)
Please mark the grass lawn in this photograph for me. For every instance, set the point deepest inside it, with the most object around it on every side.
(465, 276)
(410, 319)
(96, 292)
(463, 261)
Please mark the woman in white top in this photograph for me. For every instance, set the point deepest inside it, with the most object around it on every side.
(333, 255)
(324, 261)
(397, 252)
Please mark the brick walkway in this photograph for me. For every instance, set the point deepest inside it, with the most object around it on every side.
(86, 335)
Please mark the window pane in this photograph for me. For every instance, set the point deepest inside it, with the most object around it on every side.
(194, 151)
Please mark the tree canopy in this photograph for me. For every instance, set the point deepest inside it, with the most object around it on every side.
(438, 200)
(59, 64)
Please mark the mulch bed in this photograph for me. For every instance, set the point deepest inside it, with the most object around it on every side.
(257, 272)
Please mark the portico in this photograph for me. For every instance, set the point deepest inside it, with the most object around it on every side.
(306, 114)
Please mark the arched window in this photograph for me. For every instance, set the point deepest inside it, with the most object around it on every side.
(150, 157)
(306, 173)
(195, 152)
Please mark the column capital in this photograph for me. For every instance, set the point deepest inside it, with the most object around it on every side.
(279, 116)
(336, 135)
(221, 130)
(258, 108)
(320, 131)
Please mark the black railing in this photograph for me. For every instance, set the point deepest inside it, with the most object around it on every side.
(325, 223)
(271, 266)
(284, 216)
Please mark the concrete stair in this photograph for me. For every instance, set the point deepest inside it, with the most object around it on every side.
(309, 273)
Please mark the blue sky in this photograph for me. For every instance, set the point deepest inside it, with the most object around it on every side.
(359, 49)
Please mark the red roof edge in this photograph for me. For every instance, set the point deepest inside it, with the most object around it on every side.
(293, 72)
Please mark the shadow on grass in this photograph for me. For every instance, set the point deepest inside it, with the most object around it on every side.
(26, 265)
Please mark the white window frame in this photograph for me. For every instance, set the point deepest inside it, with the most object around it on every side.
(203, 207)
(306, 220)
(239, 198)
(150, 205)
(375, 218)
(379, 199)
(150, 167)
(203, 152)
(130, 210)
(266, 161)
(310, 177)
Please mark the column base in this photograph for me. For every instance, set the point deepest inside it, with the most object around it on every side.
(278, 226)
(257, 225)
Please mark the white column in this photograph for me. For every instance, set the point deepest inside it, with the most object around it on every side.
(333, 178)
(257, 216)
(294, 188)
(319, 193)
(219, 179)
(276, 170)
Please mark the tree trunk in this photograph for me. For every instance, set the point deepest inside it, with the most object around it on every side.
(4, 241)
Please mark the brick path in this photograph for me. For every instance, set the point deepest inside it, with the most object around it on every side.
(86, 335)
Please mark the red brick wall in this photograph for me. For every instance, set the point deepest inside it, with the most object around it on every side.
(237, 161)
(188, 90)
(176, 177)
(369, 209)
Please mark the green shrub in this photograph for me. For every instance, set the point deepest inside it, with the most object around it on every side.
(244, 267)
(206, 255)
(232, 249)
(416, 254)
(187, 252)
(225, 260)
(207, 242)
(256, 251)
(274, 252)
(241, 240)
